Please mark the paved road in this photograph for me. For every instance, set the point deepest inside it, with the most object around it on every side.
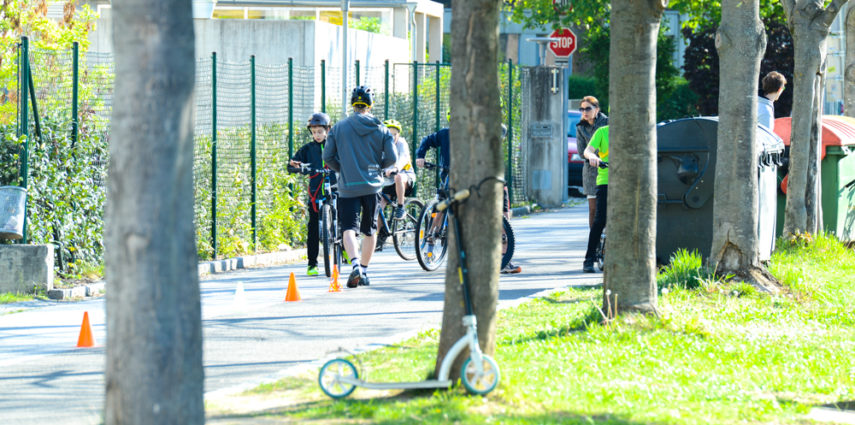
(44, 379)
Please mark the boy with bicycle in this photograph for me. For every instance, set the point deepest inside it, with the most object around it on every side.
(402, 185)
(311, 155)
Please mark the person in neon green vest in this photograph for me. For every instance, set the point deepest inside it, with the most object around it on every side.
(597, 152)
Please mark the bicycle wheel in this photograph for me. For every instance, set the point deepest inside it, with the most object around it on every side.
(508, 239)
(327, 237)
(480, 383)
(431, 243)
(404, 229)
(331, 372)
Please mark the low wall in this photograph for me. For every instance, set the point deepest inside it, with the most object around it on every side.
(25, 267)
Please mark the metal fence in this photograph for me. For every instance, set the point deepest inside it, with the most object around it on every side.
(250, 119)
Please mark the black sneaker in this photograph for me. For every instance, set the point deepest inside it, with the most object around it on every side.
(364, 281)
(381, 240)
(587, 267)
(355, 278)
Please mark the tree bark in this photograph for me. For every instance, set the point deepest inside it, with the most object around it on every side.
(809, 24)
(849, 74)
(475, 154)
(630, 270)
(154, 369)
(741, 41)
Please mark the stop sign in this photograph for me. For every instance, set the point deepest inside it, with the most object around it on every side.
(566, 44)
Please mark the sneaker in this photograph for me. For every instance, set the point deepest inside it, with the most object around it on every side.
(588, 267)
(364, 281)
(399, 212)
(355, 277)
(381, 240)
(511, 268)
(312, 271)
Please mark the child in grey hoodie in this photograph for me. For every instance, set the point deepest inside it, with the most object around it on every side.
(359, 148)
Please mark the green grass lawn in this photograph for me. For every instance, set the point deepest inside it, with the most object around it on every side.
(720, 353)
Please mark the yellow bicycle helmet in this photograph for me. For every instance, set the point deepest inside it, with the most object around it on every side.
(393, 123)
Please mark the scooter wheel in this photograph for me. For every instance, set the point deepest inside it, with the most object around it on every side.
(480, 383)
(330, 375)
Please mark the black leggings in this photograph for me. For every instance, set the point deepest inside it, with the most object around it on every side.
(599, 223)
(313, 238)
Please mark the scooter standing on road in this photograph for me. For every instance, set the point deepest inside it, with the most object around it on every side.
(480, 373)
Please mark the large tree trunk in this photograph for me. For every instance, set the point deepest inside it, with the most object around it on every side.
(809, 24)
(849, 74)
(475, 154)
(630, 273)
(741, 41)
(154, 339)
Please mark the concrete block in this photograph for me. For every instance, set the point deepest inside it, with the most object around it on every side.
(25, 267)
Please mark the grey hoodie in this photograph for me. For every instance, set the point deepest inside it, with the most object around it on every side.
(358, 147)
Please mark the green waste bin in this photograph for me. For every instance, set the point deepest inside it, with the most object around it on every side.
(837, 175)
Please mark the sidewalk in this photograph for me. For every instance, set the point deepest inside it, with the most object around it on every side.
(261, 338)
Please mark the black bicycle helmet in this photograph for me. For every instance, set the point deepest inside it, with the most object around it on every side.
(319, 118)
(362, 96)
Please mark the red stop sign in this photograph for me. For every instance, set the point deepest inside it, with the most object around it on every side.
(566, 44)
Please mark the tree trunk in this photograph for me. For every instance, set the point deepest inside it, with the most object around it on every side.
(741, 41)
(849, 74)
(475, 154)
(630, 273)
(154, 369)
(809, 24)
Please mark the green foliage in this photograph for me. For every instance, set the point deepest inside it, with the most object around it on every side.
(686, 270)
(580, 86)
(702, 66)
(597, 47)
(367, 23)
(681, 103)
(66, 190)
(815, 267)
(29, 17)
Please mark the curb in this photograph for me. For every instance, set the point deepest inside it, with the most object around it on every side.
(204, 269)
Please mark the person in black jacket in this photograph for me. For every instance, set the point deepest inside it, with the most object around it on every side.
(592, 119)
(311, 154)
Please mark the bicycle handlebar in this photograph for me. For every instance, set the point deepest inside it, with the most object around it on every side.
(307, 168)
(457, 197)
(431, 165)
(604, 164)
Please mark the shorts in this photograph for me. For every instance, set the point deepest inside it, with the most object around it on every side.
(390, 189)
(348, 214)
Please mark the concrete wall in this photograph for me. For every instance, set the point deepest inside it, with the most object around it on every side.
(544, 142)
(25, 267)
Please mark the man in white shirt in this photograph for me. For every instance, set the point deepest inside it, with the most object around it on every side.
(772, 86)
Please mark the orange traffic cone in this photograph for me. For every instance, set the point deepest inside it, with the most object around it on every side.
(85, 339)
(334, 286)
(292, 294)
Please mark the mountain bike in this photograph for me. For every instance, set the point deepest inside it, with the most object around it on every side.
(330, 234)
(432, 231)
(480, 374)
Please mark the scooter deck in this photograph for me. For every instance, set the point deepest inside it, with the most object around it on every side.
(431, 383)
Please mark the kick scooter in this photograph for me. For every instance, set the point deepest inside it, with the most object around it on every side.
(480, 373)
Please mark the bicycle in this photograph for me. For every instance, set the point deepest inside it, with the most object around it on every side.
(480, 374)
(403, 230)
(431, 231)
(328, 207)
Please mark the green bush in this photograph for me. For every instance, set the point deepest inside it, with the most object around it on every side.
(65, 190)
(580, 86)
(686, 270)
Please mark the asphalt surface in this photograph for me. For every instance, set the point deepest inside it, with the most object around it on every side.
(45, 379)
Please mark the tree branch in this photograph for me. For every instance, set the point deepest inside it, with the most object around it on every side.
(789, 6)
(831, 11)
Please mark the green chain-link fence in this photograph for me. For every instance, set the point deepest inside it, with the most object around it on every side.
(245, 201)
